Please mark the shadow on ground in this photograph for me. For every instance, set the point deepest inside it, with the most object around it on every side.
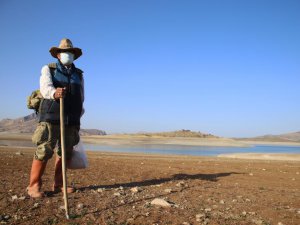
(176, 177)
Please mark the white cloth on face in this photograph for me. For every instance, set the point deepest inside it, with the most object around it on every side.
(47, 88)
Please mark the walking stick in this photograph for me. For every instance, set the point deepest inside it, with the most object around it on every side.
(62, 142)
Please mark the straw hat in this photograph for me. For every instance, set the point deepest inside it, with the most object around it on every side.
(65, 46)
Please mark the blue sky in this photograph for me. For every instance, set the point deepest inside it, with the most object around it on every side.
(230, 68)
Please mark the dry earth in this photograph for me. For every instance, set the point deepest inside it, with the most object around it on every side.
(199, 190)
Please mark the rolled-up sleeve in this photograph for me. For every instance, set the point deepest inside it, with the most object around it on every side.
(46, 85)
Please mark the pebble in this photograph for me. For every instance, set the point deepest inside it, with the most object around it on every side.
(7, 217)
(244, 213)
(160, 202)
(147, 214)
(234, 200)
(207, 209)
(117, 194)
(100, 190)
(135, 190)
(180, 184)
(22, 198)
(298, 211)
(252, 213)
(248, 200)
(80, 206)
(35, 205)
(257, 221)
(62, 207)
(222, 202)
(14, 197)
(168, 190)
(251, 174)
(280, 223)
(19, 153)
(186, 223)
(200, 216)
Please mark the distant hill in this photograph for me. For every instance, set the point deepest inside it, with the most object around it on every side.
(289, 137)
(27, 124)
(178, 133)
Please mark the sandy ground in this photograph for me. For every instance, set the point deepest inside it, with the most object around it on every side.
(200, 190)
(262, 156)
(144, 140)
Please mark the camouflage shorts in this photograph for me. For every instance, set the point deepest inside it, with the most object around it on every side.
(47, 136)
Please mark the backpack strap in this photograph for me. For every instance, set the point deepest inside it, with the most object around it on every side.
(52, 67)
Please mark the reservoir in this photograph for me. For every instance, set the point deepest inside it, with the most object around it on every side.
(193, 150)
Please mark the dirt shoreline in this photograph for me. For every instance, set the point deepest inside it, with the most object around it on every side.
(201, 190)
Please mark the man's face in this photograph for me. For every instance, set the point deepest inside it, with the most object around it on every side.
(66, 58)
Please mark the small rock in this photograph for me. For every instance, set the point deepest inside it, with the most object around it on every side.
(252, 213)
(62, 207)
(100, 190)
(117, 194)
(160, 202)
(200, 216)
(14, 197)
(7, 217)
(257, 221)
(263, 169)
(135, 190)
(298, 211)
(222, 202)
(248, 200)
(244, 213)
(122, 201)
(214, 206)
(280, 223)
(180, 184)
(186, 223)
(35, 205)
(19, 153)
(234, 200)
(121, 188)
(207, 209)
(147, 214)
(22, 198)
(251, 174)
(168, 190)
(80, 206)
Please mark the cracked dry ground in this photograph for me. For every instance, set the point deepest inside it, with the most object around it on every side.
(200, 190)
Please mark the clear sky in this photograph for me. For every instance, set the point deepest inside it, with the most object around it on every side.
(226, 67)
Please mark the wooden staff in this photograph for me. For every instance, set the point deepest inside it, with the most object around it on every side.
(62, 142)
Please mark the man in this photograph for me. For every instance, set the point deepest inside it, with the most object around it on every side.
(58, 80)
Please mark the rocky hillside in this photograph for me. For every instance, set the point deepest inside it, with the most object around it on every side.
(180, 133)
(27, 124)
(289, 137)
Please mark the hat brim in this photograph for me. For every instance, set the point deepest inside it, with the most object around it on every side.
(76, 51)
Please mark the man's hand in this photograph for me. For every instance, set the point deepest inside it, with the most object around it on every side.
(60, 93)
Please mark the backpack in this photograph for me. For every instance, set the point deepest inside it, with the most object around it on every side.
(35, 99)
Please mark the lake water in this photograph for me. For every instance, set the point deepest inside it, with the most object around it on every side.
(193, 150)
